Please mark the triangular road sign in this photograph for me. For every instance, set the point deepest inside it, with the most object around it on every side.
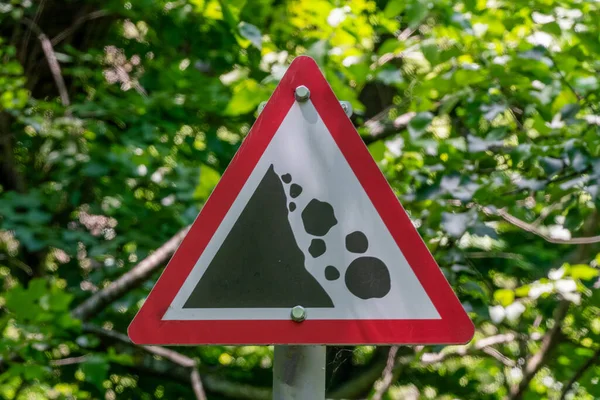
(302, 217)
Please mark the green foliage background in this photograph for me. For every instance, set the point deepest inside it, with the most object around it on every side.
(117, 119)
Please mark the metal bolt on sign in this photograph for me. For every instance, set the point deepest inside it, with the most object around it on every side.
(347, 108)
(262, 106)
(298, 314)
(302, 93)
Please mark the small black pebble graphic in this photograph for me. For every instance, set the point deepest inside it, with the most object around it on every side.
(357, 242)
(317, 247)
(331, 273)
(368, 278)
(287, 178)
(318, 218)
(292, 206)
(295, 190)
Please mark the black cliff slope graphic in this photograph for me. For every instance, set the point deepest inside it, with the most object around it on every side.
(259, 264)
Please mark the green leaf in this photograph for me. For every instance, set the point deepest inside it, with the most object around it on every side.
(457, 224)
(208, 180)
(393, 8)
(318, 51)
(252, 33)
(93, 169)
(504, 296)
(416, 12)
(587, 84)
(419, 124)
(390, 76)
(583, 272)
(377, 150)
(247, 95)
(95, 369)
(551, 165)
(231, 11)
(491, 111)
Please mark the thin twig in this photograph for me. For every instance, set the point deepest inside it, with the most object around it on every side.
(36, 17)
(387, 375)
(68, 361)
(433, 358)
(197, 385)
(587, 365)
(52, 61)
(212, 383)
(537, 361)
(69, 31)
(131, 279)
(379, 130)
(563, 78)
(536, 231)
(168, 354)
(490, 351)
(501, 254)
(551, 208)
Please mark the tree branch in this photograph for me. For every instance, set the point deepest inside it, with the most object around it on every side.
(536, 231)
(537, 361)
(52, 61)
(197, 384)
(68, 361)
(387, 375)
(587, 365)
(213, 383)
(379, 130)
(490, 351)
(131, 279)
(167, 354)
(69, 31)
(484, 345)
(480, 345)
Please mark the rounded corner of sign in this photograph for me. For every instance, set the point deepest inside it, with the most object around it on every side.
(303, 58)
(466, 334)
(134, 334)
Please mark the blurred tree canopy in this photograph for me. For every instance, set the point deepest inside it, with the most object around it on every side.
(117, 119)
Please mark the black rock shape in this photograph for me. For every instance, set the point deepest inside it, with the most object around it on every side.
(295, 190)
(331, 273)
(259, 264)
(287, 178)
(292, 206)
(318, 218)
(317, 248)
(357, 242)
(368, 278)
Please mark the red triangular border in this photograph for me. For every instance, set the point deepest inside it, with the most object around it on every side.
(454, 327)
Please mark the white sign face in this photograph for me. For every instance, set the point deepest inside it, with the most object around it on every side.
(345, 245)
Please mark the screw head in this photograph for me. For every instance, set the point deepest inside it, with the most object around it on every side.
(262, 106)
(302, 93)
(298, 314)
(347, 107)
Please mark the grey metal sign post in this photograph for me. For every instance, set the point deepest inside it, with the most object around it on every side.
(299, 373)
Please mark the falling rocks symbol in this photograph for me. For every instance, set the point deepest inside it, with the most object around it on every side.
(318, 217)
(356, 242)
(368, 278)
(317, 248)
(259, 264)
(295, 190)
(331, 273)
